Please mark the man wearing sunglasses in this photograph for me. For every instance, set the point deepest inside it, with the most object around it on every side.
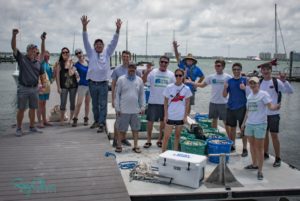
(98, 72)
(158, 80)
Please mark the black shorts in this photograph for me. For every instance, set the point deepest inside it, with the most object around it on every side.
(273, 123)
(175, 122)
(234, 116)
(155, 112)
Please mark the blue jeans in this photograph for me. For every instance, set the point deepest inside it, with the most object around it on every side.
(99, 92)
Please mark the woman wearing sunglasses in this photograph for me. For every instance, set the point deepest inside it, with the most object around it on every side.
(176, 104)
(66, 80)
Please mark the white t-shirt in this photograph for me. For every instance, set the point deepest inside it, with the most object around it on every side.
(177, 96)
(269, 87)
(217, 86)
(257, 107)
(158, 81)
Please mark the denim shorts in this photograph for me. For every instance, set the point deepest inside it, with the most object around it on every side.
(257, 131)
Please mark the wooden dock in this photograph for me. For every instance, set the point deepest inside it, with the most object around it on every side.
(62, 163)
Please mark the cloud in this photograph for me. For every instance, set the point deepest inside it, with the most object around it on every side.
(206, 28)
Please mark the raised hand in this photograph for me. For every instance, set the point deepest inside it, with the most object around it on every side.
(43, 36)
(84, 21)
(175, 44)
(118, 25)
(15, 31)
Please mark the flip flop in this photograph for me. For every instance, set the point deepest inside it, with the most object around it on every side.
(159, 143)
(136, 150)
(118, 149)
(147, 145)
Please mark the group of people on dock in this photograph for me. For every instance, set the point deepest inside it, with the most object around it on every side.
(251, 103)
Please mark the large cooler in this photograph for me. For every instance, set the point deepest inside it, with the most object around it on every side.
(184, 168)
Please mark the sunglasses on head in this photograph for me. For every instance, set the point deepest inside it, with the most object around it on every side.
(164, 62)
(178, 75)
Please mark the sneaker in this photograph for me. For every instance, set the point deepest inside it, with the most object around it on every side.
(244, 153)
(277, 162)
(34, 130)
(126, 142)
(100, 129)
(74, 124)
(85, 121)
(266, 156)
(233, 148)
(260, 176)
(95, 125)
(114, 143)
(19, 132)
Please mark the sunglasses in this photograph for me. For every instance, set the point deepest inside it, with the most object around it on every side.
(178, 75)
(65, 52)
(236, 69)
(218, 65)
(164, 62)
(78, 53)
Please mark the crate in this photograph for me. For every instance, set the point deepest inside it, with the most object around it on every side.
(194, 146)
(215, 135)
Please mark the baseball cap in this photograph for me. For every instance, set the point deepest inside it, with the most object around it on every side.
(254, 79)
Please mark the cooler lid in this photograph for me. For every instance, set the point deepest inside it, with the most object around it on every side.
(181, 156)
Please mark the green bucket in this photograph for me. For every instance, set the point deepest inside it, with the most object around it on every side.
(194, 146)
(207, 122)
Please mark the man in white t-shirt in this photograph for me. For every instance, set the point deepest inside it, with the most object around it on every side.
(158, 80)
(274, 87)
(217, 105)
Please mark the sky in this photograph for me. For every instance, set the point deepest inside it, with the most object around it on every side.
(235, 28)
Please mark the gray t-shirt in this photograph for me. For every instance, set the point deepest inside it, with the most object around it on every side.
(121, 70)
(29, 71)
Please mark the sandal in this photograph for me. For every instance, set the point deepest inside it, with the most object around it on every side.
(251, 167)
(147, 145)
(118, 149)
(136, 150)
(159, 143)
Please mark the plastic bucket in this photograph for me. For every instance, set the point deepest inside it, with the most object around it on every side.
(218, 146)
(194, 146)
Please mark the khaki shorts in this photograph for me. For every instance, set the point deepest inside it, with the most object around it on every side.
(83, 91)
(124, 120)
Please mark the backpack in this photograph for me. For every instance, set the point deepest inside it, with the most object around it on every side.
(275, 83)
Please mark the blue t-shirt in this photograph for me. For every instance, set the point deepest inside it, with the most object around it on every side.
(193, 72)
(237, 97)
(82, 71)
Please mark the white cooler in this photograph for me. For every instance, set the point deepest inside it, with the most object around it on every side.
(184, 168)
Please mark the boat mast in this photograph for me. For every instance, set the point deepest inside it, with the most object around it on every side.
(127, 35)
(73, 43)
(147, 41)
(276, 45)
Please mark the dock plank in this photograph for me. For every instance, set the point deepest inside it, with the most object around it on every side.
(71, 159)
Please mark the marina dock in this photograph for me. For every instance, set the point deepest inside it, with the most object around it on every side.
(66, 163)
